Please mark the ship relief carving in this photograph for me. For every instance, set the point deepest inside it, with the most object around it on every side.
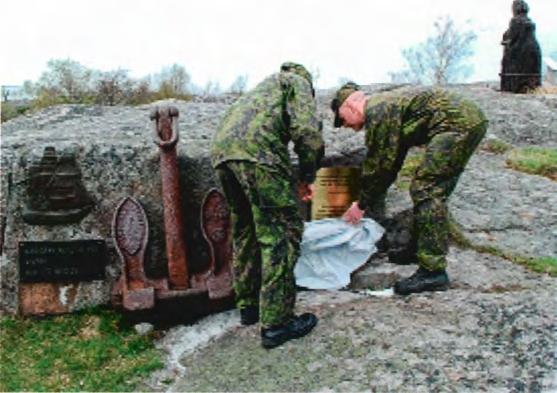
(55, 192)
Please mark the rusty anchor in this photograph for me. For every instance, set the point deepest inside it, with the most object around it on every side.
(166, 137)
(134, 291)
(130, 230)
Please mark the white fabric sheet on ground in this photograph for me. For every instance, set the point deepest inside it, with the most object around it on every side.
(332, 249)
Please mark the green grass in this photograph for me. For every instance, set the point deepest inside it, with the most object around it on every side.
(541, 265)
(495, 146)
(534, 160)
(87, 351)
(10, 110)
(544, 264)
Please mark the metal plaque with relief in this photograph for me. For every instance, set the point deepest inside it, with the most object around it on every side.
(335, 189)
(56, 193)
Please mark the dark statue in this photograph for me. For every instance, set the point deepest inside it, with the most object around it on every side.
(521, 64)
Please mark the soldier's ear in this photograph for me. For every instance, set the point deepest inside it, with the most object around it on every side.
(335, 103)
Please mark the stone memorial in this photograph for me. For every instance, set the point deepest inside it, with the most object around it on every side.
(63, 175)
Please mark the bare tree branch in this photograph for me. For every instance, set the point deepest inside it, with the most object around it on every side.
(440, 59)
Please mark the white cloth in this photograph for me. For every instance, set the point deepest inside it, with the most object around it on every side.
(332, 249)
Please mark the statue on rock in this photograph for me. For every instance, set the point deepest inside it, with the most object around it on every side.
(521, 64)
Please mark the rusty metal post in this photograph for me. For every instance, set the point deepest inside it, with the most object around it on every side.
(166, 137)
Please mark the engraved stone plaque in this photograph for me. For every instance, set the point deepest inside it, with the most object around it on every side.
(335, 189)
(61, 261)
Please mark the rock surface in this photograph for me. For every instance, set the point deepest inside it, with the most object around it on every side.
(496, 206)
(493, 331)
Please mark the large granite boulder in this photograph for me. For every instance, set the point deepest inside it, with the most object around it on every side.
(113, 156)
(112, 149)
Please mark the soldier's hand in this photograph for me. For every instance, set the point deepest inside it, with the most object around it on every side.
(305, 191)
(354, 214)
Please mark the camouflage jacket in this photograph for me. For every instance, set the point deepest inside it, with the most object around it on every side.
(259, 126)
(397, 120)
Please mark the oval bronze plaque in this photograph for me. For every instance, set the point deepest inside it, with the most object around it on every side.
(130, 226)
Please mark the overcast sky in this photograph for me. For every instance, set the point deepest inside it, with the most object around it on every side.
(219, 40)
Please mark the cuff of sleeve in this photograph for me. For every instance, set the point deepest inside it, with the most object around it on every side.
(307, 173)
(307, 178)
(319, 158)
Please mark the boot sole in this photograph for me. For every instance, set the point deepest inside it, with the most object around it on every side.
(436, 288)
(249, 323)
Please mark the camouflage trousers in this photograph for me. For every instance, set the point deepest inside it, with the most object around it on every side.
(446, 155)
(266, 233)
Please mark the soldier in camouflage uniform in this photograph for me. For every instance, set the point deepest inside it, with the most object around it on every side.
(250, 155)
(449, 127)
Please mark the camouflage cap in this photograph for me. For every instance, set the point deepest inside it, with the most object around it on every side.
(342, 94)
(298, 69)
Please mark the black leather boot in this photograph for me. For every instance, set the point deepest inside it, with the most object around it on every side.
(423, 280)
(249, 315)
(295, 328)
